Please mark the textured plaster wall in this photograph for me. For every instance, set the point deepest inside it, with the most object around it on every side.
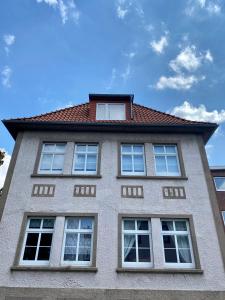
(108, 204)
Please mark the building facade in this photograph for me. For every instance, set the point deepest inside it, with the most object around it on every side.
(110, 200)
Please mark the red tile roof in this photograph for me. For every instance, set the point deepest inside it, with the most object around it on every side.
(141, 115)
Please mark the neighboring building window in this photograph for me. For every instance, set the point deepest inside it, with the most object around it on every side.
(132, 160)
(110, 111)
(177, 243)
(52, 158)
(136, 243)
(166, 160)
(78, 241)
(86, 158)
(37, 242)
(219, 183)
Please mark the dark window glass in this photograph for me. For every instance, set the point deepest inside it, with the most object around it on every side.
(170, 255)
(142, 225)
(35, 223)
(29, 253)
(46, 239)
(144, 255)
(32, 239)
(169, 241)
(48, 223)
(44, 253)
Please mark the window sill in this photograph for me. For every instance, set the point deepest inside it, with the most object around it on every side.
(152, 177)
(160, 271)
(64, 176)
(54, 269)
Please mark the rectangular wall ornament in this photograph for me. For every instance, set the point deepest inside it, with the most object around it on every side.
(43, 190)
(174, 192)
(84, 191)
(132, 191)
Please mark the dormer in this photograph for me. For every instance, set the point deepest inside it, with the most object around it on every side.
(111, 107)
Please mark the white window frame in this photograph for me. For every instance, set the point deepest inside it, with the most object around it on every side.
(78, 232)
(166, 155)
(53, 153)
(175, 233)
(39, 231)
(107, 111)
(214, 178)
(132, 153)
(137, 232)
(85, 162)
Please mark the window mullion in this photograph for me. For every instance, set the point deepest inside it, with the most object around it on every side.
(177, 250)
(136, 240)
(78, 244)
(38, 244)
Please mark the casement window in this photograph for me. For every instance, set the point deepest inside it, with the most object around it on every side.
(220, 183)
(85, 159)
(136, 243)
(166, 160)
(37, 241)
(177, 243)
(110, 111)
(52, 158)
(78, 241)
(132, 159)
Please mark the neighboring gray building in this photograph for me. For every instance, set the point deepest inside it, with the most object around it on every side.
(110, 200)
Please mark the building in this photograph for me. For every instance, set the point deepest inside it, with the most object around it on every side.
(110, 200)
(218, 174)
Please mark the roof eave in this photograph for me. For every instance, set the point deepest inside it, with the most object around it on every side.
(15, 126)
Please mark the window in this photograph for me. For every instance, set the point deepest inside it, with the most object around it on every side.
(37, 241)
(78, 241)
(132, 160)
(177, 243)
(110, 111)
(166, 160)
(136, 243)
(85, 160)
(219, 183)
(52, 158)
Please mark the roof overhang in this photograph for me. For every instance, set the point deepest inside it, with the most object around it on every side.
(15, 126)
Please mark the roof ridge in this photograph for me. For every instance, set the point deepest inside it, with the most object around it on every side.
(170, 115)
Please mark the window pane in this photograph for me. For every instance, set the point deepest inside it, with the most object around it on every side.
(32, 239)
(129, 224)
(169, 241)
(144, 255)
(182, 241)
(46, 162)
(138, 148)
(92, 148)
(70, 253)
(170, 255)
(171, 149)
(48, 223)
(142, 225)
(85, 240)
(143, 241)
(86, 223)
(72, 223)
(35, 223)
(181, 225)
(84, 254)
(127, 148)
(138, 163)
(49, 147)
(167, 225)
(60, 148)
(126, 163)
(80, 162)
(130, 254)
(159, 149)
(101, 112)
(116, 111)
(220, 183)
(185, 256)
(81, 148)
(71, 239)
(46, 239)
(160, 165)
(172, 165)
(91, 162)
(29, 253)
(58, 162)
(129, 241)
(44, 253)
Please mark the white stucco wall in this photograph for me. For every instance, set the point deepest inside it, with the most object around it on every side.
(108, 204)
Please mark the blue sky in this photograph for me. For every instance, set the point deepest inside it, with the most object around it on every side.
(170, 54)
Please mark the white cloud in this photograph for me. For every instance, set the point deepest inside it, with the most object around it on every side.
(9, 39)
(198, 113)
(212, 7)
(208, 56)
(177, 82)
(121, 13)
(112, 79)
(67, 9)
(126, 73)
(4, 167)
(160, 45)
(6, 76)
